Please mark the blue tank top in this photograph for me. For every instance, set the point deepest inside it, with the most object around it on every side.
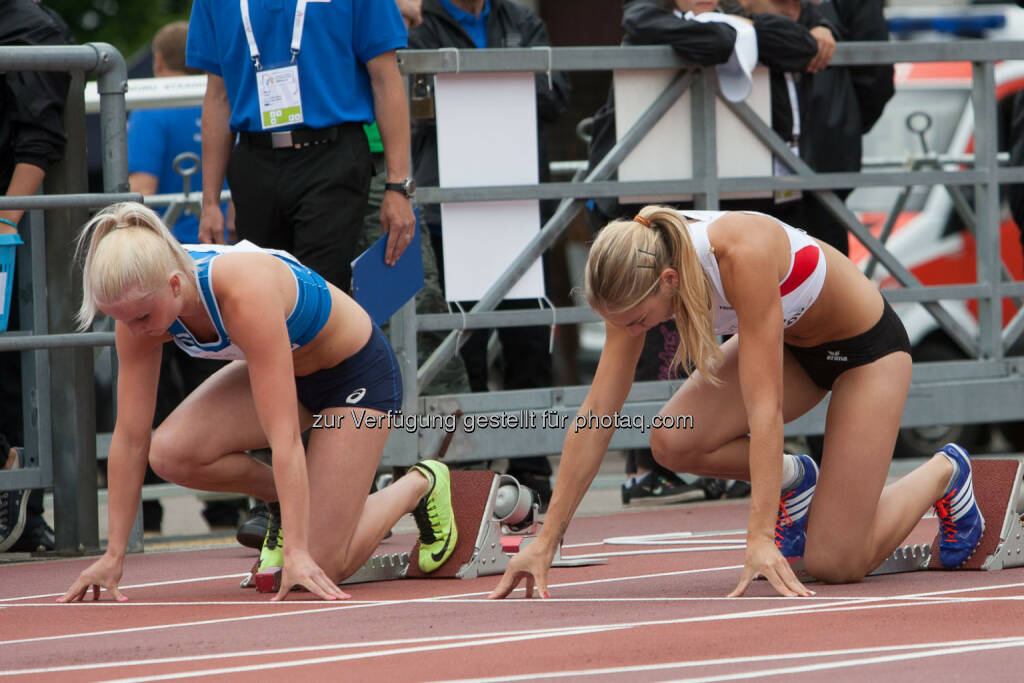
(308, 316)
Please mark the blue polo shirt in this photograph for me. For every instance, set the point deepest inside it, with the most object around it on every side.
(338, 39)
(155, 137)
(475, 26)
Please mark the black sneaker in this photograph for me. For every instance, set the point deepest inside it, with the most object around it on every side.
(655, 489)
(738, 489)
(713, 489)
(13, 509)
(37, 537)
(252, 531)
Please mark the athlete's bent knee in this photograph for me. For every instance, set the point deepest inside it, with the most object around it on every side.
(168, 459)
(673, 451)
(834, 568)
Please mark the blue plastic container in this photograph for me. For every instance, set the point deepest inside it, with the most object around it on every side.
(8, 246)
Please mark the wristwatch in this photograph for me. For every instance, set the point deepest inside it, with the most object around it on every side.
(406, 187)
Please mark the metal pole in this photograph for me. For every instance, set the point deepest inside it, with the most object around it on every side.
(112, 84)
(553, 229)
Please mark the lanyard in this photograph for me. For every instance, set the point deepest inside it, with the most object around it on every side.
(794, 104)
(300, 20)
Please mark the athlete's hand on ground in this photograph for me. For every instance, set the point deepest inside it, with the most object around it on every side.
(103, 573)
(300, 570)
(399, 221)
(530, 563)
(763, 558)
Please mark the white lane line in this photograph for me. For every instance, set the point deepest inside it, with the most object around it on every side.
(137, 585)
(582, 630)
(332, 607)
(802, 608)
(434, 647)
(974, 644)
(823, 666)
(290, 650)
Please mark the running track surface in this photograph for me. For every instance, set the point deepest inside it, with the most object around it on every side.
(654, 612)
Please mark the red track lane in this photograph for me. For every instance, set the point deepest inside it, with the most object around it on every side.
(641, 617)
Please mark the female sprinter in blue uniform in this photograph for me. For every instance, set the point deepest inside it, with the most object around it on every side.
(805, 322)
(302, 349)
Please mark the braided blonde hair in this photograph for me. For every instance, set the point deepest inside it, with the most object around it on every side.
(624, 268)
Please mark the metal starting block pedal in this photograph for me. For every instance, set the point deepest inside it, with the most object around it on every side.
(495, 516)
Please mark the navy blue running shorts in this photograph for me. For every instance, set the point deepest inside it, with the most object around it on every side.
(369, 378)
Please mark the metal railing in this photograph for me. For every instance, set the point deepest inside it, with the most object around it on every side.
(987, 388)
(58, 391)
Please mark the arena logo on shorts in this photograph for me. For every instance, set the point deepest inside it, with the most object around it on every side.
(356, 396)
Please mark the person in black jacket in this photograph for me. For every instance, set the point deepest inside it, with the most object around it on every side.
(468, 24)
(843, 104)
(783, 45)
(31, 140)
(1015, 192)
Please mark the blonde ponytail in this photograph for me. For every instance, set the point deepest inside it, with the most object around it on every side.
(127, 250)
(624, 268)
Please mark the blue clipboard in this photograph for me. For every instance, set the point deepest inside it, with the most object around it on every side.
(382, 289)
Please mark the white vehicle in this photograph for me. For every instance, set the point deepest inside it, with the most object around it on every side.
(931, 117)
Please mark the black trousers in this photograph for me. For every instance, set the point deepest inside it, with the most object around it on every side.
(308, 201)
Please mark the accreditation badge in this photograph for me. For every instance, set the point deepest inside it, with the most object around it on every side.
(279, 97)
(780, 168)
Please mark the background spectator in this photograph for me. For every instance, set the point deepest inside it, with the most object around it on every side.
(302, 186)
(468, 24)
(1016, 141)
(783, 45)
(31, 141)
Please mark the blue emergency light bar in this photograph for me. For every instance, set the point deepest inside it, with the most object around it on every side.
(973, 26)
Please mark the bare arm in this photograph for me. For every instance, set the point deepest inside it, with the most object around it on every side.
(143, 183)
(217, 141)
(138, 374)
(749, 259)
(255, 303)
(25, 182)
(392, 113)
(581, 458)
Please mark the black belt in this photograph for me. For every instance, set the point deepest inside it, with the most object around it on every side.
(298, 138)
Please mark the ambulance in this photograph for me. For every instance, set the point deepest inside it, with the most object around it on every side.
(927, 125)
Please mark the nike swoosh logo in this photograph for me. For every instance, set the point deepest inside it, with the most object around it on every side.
(440, 553)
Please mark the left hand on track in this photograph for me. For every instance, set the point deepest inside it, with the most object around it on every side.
(763, 558)
(300, 570)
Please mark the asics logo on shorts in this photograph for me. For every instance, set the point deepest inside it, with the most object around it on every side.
(356, 396)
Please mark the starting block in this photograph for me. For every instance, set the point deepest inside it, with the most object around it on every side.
(998, 490)
(495, 517)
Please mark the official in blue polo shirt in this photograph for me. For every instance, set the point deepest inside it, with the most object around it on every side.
(157, 136)
(294, 81)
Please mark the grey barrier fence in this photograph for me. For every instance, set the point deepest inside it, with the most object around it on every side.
(987, 387)
(58, 394)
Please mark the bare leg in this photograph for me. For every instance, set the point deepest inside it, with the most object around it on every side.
(717, 445)
(202, 443)
(347, 525)
(852, 523)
